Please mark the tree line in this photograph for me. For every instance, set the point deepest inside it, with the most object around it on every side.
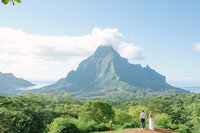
(62, 114)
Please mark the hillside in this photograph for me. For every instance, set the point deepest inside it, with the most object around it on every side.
(107, 75)
(36, 113)
(9, 83)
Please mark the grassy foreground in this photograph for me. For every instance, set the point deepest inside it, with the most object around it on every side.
(136, 130)
(114, 131)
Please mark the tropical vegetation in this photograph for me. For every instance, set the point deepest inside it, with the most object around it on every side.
(13, 1)
(62, 114)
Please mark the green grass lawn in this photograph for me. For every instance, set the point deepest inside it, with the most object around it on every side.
(114, 131)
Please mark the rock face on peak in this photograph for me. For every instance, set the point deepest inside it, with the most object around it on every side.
(107, 75)
(8, 82)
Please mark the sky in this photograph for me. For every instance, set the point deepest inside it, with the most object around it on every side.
(44, 40)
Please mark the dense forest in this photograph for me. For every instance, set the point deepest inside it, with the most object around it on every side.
(36, 113)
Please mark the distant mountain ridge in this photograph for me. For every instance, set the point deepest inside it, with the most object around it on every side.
(107, 75)
(193, 89)
(9, 83)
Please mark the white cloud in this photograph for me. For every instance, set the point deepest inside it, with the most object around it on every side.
(197, 46)
(51, 57)
(129, 51)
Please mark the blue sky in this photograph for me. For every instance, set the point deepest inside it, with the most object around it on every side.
(165, 31)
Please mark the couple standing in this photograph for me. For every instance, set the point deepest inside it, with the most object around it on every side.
(151, 122)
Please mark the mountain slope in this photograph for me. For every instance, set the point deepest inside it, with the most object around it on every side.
(106, 75)
(8, 82)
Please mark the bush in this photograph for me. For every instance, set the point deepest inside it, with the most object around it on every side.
(132, 124)
(98, 111)
(174, 127)
(102, 127)
(162, 120)
(183, 128)
(62, 125)
(90, 126)
(136, 111)
(196, 128)
(121, 117)
(115, 127)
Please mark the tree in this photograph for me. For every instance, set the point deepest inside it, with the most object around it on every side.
(99, 111)
(25, 114)
(159, 106)
(13, 1)
(122, 117)
(62, 125)
(162, 120)
(136, 110)
(196, 117)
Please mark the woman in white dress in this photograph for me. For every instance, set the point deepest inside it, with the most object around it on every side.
(151, 122)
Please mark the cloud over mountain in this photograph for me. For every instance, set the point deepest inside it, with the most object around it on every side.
(45, 57)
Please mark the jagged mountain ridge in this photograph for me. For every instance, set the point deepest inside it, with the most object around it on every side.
(8, 82)
(106, 74)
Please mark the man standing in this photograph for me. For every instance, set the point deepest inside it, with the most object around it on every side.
(142, 118)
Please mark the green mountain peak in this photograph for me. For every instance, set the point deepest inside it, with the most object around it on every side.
(106, 75)
(103, 51)
(9, 83)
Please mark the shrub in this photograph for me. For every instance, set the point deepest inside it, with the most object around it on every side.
(183, 128)
(135, 112)
(174, 127)
(98, 111)
(196, 128)
(62, 125)
(102, 127)
(132, 124)
(121, 117)
(162, 120)
(89, 126)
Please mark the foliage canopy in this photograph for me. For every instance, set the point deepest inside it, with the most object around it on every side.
(13, 1)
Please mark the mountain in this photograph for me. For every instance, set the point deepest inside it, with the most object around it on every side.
(193, 89)
(9, 83)
(107, 75)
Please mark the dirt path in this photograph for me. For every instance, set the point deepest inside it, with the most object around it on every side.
(157, 130)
